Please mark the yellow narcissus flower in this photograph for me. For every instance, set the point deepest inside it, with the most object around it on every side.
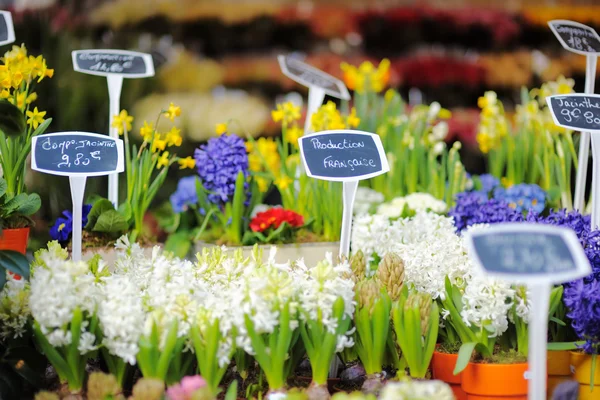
(172, 112)
(220, 129)
(489, 99)
(173, 137)
(286, 113)
(283, 182)
(158, 144)
(163, 160)
(327, 117)
(262, 151)
(293, 133)
(353, 120)
(35, 117)
(122, 122)
(147, 131)
(187, 162)
(366, 77)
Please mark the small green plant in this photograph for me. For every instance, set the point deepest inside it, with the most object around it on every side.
(16, 210)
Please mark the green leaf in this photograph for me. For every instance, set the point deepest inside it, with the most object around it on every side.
(557, 321)
(560, 346)
(179, 243)
(464, 356)
(231, 391)
(30, 205)
(42, 127)
(126, 211)
(3, 187)
(12, 120)
(111, 221)
(100, 206)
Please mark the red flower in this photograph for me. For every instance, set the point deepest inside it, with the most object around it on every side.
(273, 218)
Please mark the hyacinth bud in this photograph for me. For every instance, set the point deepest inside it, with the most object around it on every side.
(358, 264)
(148, 389)
(423, 302)
(368, 292)
(47, 396)
(391, 274)
(101, 386)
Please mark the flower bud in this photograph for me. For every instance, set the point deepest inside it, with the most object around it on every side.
(368, 292)
(358, 264)
(391, 274)
(148, 389)
(101, 386)
(423, 302)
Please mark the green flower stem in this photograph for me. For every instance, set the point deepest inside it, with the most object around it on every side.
(372, 330)
(206, 344)
(320, 343)
(154, 362)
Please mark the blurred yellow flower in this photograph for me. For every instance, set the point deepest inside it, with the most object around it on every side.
(147, 131)
(262, 183)
(172, 112)
(353, 120)
(163, 160)
(366, 76)
(293, 133)
(445, 113)
(221, 128)
(158, 144)
(283, 182)
(122, 122)
(264, 152)
(35, 117)
(173, 137)
(286, 113)
(489, 99)
(327, 117)
(187, 162)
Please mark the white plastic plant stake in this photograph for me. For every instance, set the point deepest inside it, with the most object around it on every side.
(538, 256)
(114, 65)
(318, 82)
(7, 29)
(581, 39)
(579, 111)
(77, 155)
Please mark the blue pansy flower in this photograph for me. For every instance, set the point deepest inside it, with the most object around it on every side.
(63, 227)
(523, 197)
(185, 195)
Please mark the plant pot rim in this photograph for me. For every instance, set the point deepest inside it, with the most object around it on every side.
(285, 245)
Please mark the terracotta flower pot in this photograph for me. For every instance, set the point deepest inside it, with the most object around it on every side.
(14, 239)
(558, 369)
(495, 381)
(581, 369)
(442, 367)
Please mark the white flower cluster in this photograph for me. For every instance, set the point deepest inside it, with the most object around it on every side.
(366, 199)
(416, 390)
(414, 202)
(14, 308)
(58, 287)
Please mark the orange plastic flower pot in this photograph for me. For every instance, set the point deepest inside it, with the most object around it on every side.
(442, 366)
(558, 369)
(495, 381)
(581, 368)
(14, 239)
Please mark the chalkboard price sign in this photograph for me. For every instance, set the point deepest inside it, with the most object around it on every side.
(7, 30)
(129, 64)
(523, 252)
(344, 155)
(576, 111)
(576, 37)
(77, 154)
(308, 75)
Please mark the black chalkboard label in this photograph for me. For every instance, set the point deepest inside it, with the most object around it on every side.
(308, 75)
(343, 155)
(129, 64)
(76, 154)
(576, 111)
(524, 252)
(576, 37)
(7, 30)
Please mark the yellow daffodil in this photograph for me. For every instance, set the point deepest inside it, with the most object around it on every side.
(489, 99)
(327, 117)
(294, 133)
(147, 131)
(4, 94)
(31, 98)
(35, 117)
(353, 120)
(172, 112)
(158, 144)
(187, 162)
(173, 137)
(221, 129)
(445, 113)
(366, 77)
(122, 122)
(163, 160)
(262, 183)
(283, 182)
(286, 113)
(265, 152)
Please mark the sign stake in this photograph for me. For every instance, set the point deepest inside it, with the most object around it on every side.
(114, 65)
(348, 198)
(7, 29)
(115, 84)
(77, 184)
(316, 95)
(538, 256)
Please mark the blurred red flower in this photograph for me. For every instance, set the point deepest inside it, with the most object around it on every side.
(273, 218)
